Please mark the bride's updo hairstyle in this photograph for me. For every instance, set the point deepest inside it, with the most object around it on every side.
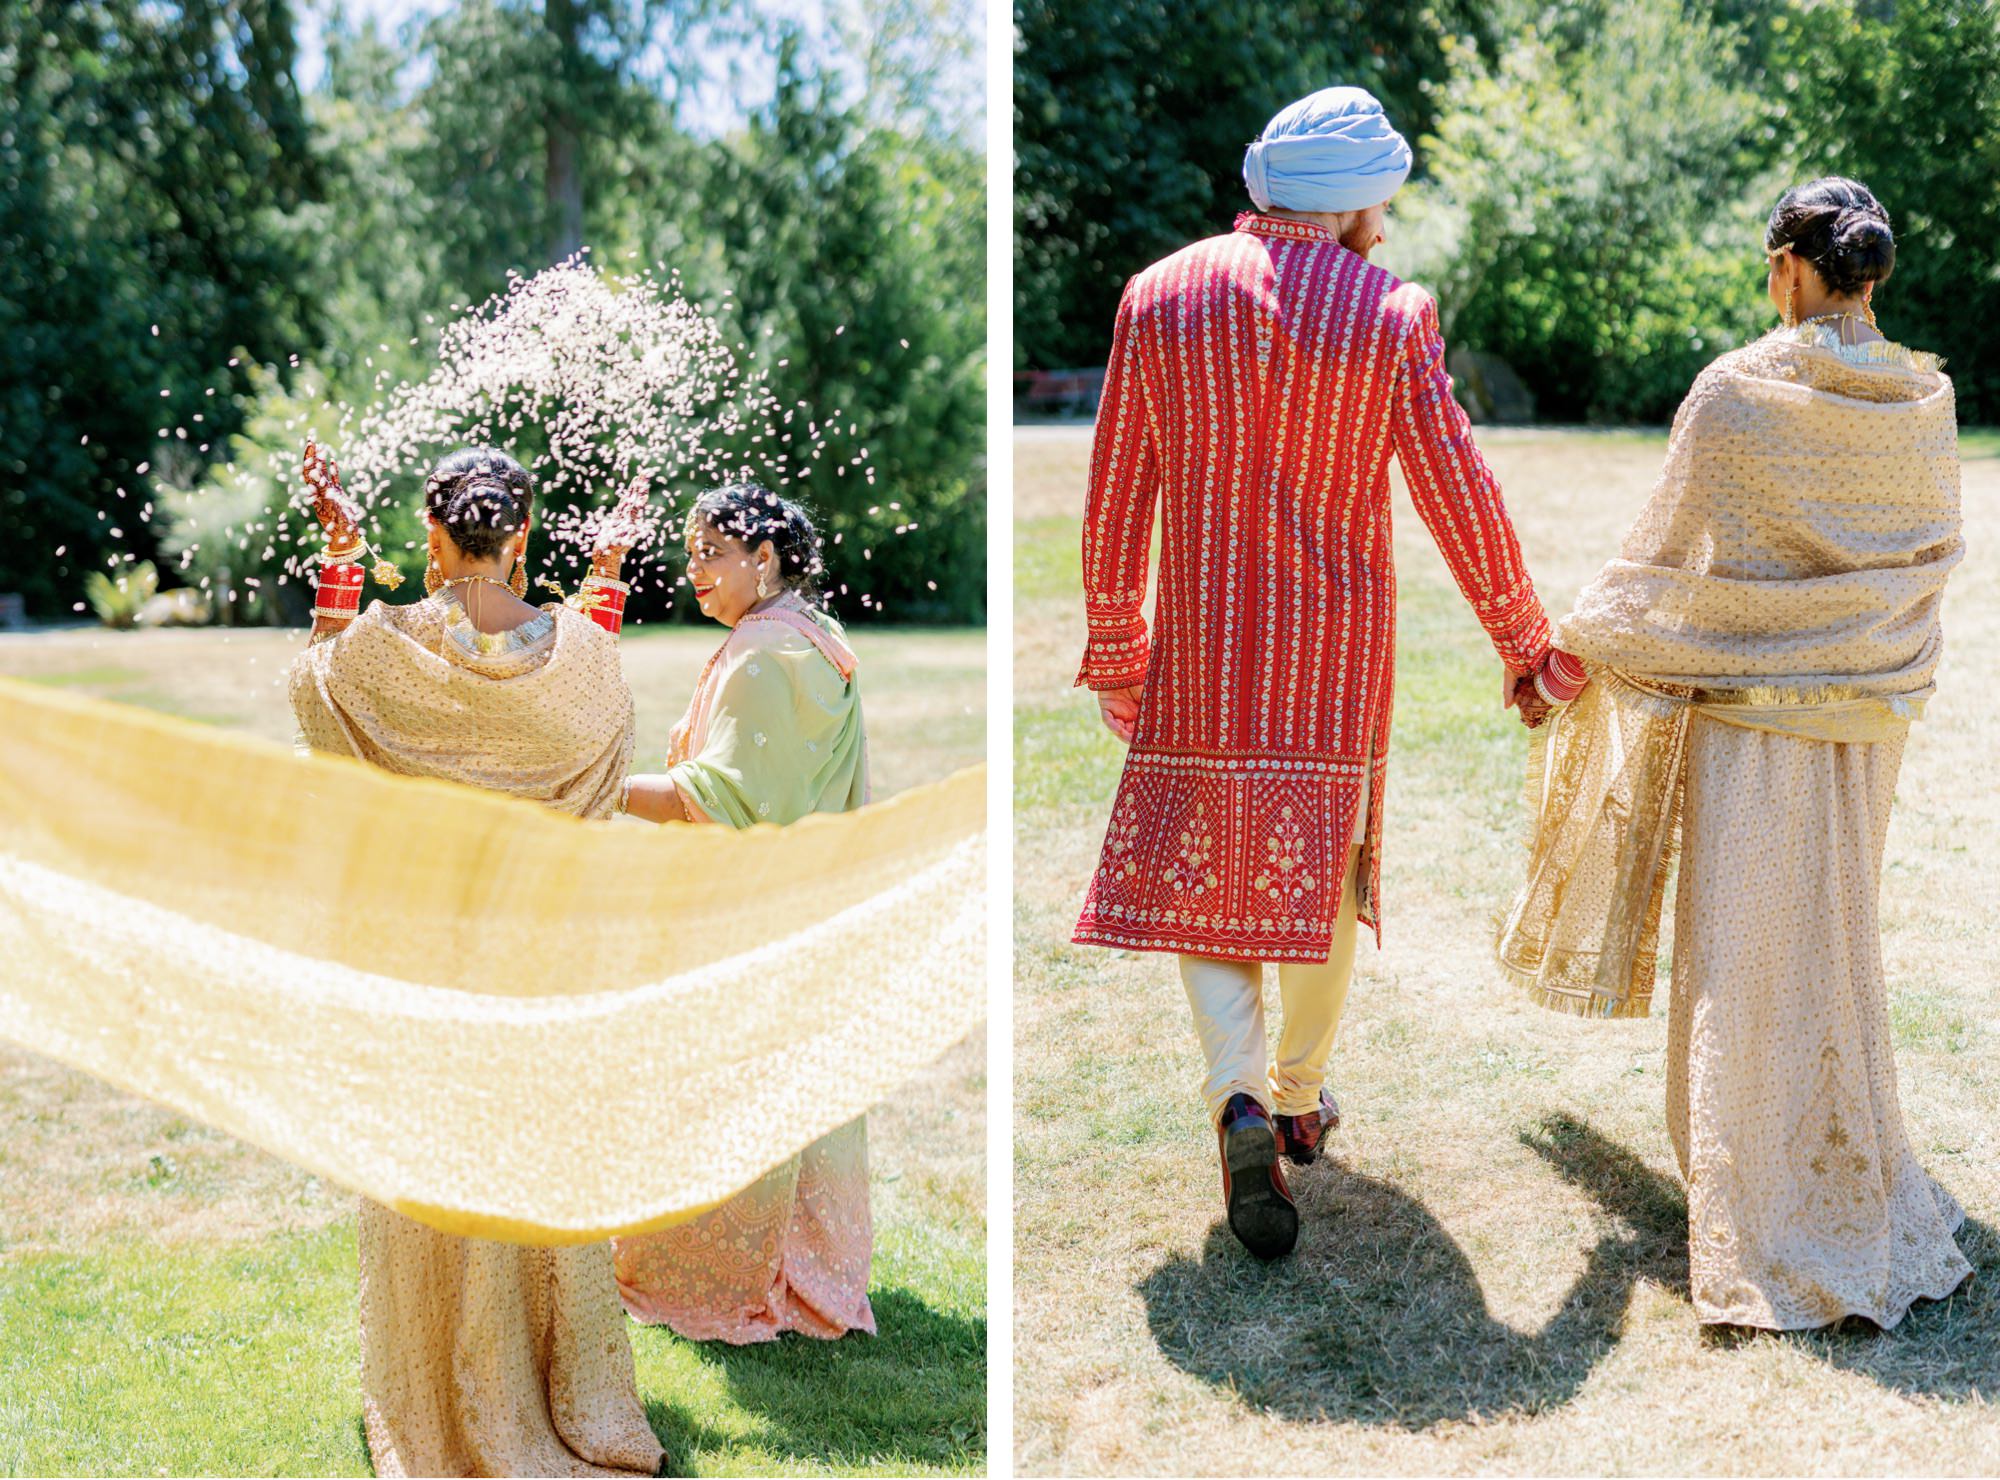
(1840, 228)
(752, 513)
(482, 497)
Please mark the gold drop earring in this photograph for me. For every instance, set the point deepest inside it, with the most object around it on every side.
(1868, 312)
(518, 582)
(765, 590)
(433, 574)
(1791, 314)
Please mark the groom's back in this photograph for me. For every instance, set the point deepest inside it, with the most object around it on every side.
(1273, 357)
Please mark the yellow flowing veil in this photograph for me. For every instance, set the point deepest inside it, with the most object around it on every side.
(500, 1020)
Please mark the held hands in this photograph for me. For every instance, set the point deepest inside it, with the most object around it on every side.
(339, 516)
(1527, 699)
(1559, 680)
(1119, 709)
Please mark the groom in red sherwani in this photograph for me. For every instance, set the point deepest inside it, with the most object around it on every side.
(1258, 385)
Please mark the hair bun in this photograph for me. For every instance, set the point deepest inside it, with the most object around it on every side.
(1861, 228)
(482, 497)
(1862, 251)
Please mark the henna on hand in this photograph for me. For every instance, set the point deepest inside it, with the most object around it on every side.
(339, 516)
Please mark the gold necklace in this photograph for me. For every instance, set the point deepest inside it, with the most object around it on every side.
(1846, 313)
(468, 580)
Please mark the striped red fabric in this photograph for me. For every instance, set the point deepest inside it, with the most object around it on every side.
(1258, 385)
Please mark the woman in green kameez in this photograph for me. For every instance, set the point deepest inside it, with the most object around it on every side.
(773, 734)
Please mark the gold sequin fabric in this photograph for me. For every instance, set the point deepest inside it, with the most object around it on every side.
(1799, 539)
(1805, 1200)
(542, 713)
(484, 1358)
(1786, 575)
(479, 1357)
(497, 1019)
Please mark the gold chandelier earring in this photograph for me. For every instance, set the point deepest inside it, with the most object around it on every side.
(518, 582)
(1791, 314)
(433, 575)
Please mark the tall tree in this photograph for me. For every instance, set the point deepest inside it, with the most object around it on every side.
(149, 157)
(563, 174)
(1131, 116)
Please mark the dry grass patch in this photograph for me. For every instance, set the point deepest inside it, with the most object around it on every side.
(1492, 1274)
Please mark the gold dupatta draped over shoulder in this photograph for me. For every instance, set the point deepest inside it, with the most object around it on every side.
(1786, 574)
(542, 712)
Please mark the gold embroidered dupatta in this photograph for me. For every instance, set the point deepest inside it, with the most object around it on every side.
(542, 712)
(1786, 574)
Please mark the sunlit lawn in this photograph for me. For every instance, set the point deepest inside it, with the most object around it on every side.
(1492, 1274)
(173, 1302)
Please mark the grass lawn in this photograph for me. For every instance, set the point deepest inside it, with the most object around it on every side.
(1492, 1270)
(174, 1302)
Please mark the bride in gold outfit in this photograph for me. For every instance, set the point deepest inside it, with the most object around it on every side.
(1757, 652)
(479, 1357)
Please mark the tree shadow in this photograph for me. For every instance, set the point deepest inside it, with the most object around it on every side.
(911, 1397)
(1378, 1317)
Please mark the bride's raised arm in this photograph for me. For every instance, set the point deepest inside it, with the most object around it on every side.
(604, 589)
(337, 585)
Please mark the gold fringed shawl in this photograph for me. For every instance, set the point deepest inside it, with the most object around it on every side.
(497, 1019)
(1786, 574)
(542, 712)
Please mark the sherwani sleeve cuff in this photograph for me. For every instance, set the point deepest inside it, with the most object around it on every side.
(1116, 655)
(1518, 628)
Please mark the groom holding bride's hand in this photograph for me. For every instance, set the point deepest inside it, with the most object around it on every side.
(1259, 383)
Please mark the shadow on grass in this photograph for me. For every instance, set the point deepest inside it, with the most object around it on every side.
(913, 1396)
(1379, 1318)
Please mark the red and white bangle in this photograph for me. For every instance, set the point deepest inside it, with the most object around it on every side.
(605, 602)
(1561, 678)
(338, 592)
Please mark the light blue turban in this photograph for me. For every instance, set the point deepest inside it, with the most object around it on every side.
(1333, 151)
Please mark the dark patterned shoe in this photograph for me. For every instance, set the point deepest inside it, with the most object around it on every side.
(1261, 1212)
(1299, 1135)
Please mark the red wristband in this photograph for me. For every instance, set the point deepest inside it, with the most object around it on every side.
(1562, 677)
(608, 602)
(338, 593)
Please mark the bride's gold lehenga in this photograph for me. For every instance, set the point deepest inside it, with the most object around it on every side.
(479, 1357)
(1758, 651)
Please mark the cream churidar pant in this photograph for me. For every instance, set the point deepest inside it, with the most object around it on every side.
(1228, 1002)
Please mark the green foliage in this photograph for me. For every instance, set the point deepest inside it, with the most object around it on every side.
(1130, 120)
(1906, 98)
(148, 157)
(157, 166)
(855, 259)
(232, 531)
(117, 600)
(1593, 176)
(1588, 221)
